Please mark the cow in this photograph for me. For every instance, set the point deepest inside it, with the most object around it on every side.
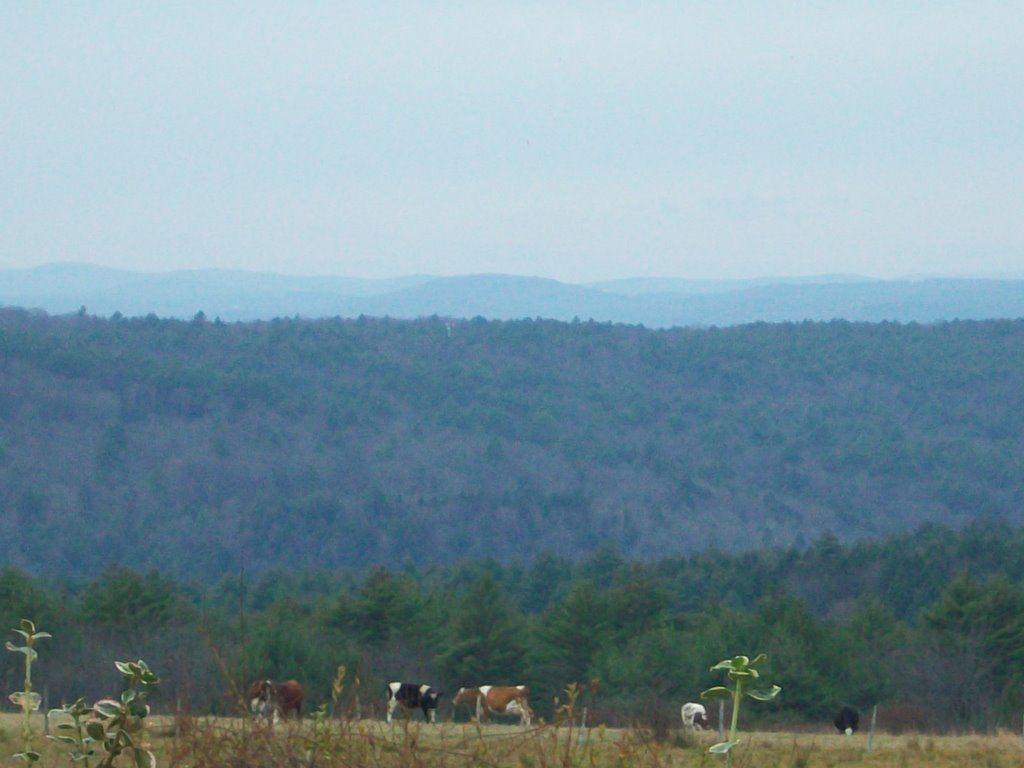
(274, 701)
(497, 700)
(412, 695)
(695, 716)
(847, 720)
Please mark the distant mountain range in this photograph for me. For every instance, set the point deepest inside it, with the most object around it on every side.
(243, 296)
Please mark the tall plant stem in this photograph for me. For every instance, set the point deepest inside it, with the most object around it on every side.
(737, 697)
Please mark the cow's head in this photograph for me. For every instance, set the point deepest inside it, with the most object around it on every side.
(465, 696)
(261, 698)
(431, 696)
(262, 689)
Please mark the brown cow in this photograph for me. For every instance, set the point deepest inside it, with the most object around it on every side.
(276, 701)
(497, 700)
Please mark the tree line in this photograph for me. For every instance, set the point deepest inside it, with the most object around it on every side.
(929, 626)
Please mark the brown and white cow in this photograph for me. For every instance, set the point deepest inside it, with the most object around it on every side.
(490, 700)
(272, 701)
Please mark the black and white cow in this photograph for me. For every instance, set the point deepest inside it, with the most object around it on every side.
(847, 720)
(412, 695)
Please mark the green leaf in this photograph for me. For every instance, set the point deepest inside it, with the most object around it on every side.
(723, 664)
(760, 657)
(63, 739)
(95, 730)
(17, 648)
(30, 702)
(716, 692)
(28, 757)
(41, 635)
(107, 709)
(124, 668)
(764, 695)
(722, 747)
(144, 759)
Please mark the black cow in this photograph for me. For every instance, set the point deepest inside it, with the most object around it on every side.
(847, 720)
(411, 695)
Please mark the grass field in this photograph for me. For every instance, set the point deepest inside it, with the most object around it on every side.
(226, 742)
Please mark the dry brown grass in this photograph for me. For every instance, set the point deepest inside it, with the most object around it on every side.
(229, 742)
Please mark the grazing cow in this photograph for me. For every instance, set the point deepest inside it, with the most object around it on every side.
(497, 700)
(272, 702)
(695, 716)
(410, 696)
(847, 720)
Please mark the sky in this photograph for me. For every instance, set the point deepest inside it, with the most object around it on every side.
(579, 141)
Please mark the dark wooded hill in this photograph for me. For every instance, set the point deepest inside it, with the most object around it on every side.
(202, 447)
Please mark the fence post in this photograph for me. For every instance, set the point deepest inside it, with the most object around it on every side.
(721, 719)
(871, 732)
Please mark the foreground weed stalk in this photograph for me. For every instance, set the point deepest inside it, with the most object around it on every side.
(741, 671)
(27, 699)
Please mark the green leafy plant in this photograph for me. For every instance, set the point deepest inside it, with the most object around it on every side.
(741, 670)
(27, 699)
(71, 726)
(119, 724)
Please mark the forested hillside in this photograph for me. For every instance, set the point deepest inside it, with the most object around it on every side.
(201, 448)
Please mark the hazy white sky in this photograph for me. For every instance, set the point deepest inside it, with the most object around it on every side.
(579, 141)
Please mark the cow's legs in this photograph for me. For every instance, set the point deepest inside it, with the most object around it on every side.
(525, 713)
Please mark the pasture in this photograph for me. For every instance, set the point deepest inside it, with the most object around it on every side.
(319, 741)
